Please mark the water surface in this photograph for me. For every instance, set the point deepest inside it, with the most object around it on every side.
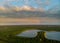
(52, 35)
(29, 33)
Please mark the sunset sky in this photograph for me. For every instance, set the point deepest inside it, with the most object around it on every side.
(39, 11)
(47, 4)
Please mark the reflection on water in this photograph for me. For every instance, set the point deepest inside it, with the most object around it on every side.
(48, 35)
(53, 35)
(29, 33)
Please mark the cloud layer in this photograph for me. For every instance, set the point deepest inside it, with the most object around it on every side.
(28, 11)
(16, 8)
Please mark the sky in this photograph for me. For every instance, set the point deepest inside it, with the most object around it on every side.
(46, 4)
(49, 9)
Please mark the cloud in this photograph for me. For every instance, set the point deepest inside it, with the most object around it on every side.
(7, 2)
(2, 8)
(47, 2)
(18, 20)
(28, 8)
(11, 0)
(39, 2)
(42, 3)
(41, 9)
(30, 21)
(17, 8)
(55, 9)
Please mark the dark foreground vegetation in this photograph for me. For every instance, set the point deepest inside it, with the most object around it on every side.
(8, 33)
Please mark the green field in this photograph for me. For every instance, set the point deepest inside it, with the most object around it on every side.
(8, 33)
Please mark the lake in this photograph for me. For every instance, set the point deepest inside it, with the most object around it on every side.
(53, 35)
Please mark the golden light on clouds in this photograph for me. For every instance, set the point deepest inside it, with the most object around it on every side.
(28, 20)
(2, 8)
(26, 8)
(19, 20)
(16, 8)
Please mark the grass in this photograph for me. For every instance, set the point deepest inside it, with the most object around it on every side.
(8, 32)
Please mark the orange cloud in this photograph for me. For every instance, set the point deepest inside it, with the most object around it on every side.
(41, 9)
(27, 8)
(2, 8)
(16, 8)
(19, 20)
